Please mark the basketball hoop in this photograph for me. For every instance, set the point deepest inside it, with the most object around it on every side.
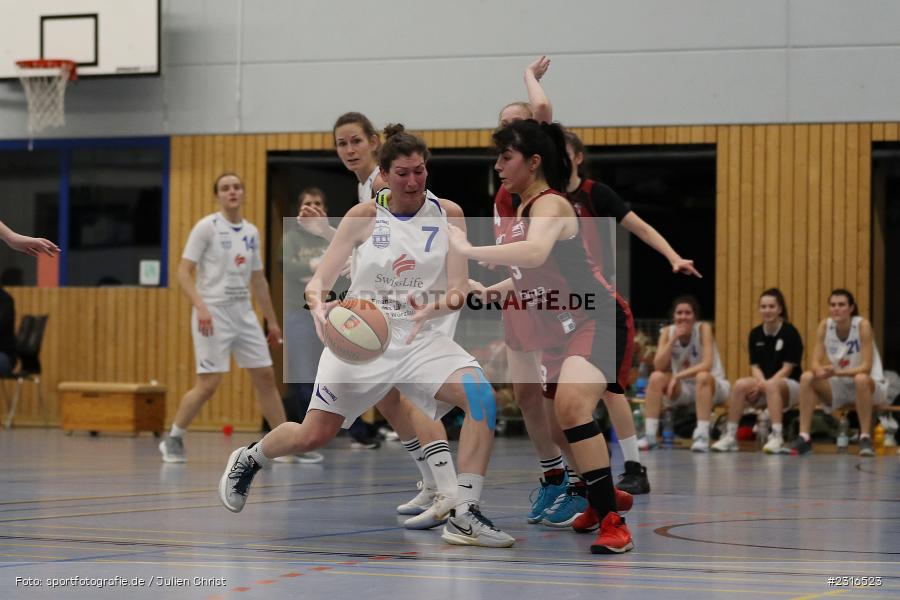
(45, 82)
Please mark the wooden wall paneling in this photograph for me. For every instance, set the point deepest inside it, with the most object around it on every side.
(734, 248)
(813, 210)
(786, 224)
(745, 289)
(891, 133)
(848, 222)
(722, 212)
(831, 192)
(863, 264)
(801, 227)
(771, 233)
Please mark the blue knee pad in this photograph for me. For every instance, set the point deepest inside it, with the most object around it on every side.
(480, 396)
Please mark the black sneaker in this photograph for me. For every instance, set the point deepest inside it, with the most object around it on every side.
(865, 446)
(634, 479)
(801, 446)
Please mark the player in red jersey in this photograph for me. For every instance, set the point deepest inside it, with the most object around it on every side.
(547, 259)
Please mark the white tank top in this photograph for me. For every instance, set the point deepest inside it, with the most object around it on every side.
(364, 191)
(404, 256)
(685, 356)
(844, 354)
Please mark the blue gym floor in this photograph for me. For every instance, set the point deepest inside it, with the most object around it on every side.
(739, 526)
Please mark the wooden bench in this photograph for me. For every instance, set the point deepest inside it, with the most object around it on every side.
(104, 406)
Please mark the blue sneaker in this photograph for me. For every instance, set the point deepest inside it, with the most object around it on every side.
(543, 497)
(565, 509)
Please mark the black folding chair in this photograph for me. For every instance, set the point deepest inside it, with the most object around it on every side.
(28, 347)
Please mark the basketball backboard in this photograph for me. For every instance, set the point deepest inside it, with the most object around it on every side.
(105, 37)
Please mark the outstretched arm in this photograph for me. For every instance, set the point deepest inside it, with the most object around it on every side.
(652, 238)
(27, 245)
(537, 97)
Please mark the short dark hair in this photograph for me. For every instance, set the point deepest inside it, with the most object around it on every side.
(312, 191)
(779, 298)
(542, 139)
(399, 142)
(850, 299)
(689, 300)
(225, 174)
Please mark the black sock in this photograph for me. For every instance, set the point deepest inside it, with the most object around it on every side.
(601, 492)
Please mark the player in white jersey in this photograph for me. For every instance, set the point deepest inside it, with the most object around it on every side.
(846, 369)
(222, 251)
(687, 368)
(398, 249)
(357, 145)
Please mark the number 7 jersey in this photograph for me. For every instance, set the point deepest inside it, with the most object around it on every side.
(403, 256)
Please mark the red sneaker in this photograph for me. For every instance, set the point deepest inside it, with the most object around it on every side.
(587, 521)
(614, 537)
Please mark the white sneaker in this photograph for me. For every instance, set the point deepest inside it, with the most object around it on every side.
(701, 443)
(645, 443)
(474, 529)
(435, 515)
(774, 445)
(420, 503)
(307, 458)
(726, 443)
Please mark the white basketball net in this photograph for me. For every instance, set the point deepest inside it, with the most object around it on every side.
(45, 90)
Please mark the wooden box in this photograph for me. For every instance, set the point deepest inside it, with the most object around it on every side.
(103, 406)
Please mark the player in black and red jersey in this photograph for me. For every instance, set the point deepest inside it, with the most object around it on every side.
(584, 348)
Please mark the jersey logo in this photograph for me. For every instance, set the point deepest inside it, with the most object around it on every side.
(239, 260)
(226, 244)
(403, 264)
(518, 229)
(381, 236)
(779, 345)
(844, 363)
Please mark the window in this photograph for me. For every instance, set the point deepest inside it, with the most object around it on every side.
(103, 201)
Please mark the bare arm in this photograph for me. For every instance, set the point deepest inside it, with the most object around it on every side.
(186, 271)
(663, 359)
(540, 103)
(349, 234)
(259, 287)
(706, 362)
(648, 234)
(821, 366)
(783, 372)
(534, 250)
(757, 373)
(27, 245)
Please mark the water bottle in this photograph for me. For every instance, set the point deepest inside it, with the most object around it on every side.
(843, 439)
(762, 429)
(642, 378)
(668, 433)
(878, 438)
(638, 417)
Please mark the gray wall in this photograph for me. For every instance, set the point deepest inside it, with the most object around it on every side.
(287, 65)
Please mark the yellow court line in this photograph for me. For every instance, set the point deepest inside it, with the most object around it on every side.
(819, 595)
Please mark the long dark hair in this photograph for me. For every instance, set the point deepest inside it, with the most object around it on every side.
(850, 299)
(358, 118)
(573, 140)
(399, 142)
(546, 140)
(779, 298)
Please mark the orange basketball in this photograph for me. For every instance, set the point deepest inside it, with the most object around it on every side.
(357, 331)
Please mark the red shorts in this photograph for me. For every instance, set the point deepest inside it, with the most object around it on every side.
(518, 331)
(601, 344)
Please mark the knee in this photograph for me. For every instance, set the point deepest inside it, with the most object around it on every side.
(807, 378)
(862, 381)
(528, 396)
(704, 378)
(743, 386)
(657, 379)
(771, 387)
(481, 404)
(571, 409)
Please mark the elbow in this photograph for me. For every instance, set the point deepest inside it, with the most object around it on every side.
(533, 259)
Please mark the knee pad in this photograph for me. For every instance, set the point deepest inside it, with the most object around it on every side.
(480, 398)
(582, 432)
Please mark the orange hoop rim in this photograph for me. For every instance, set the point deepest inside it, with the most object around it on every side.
(51, 63)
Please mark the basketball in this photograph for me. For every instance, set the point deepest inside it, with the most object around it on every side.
(356, 331)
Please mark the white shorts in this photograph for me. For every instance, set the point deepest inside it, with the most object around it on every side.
(793, 394)
(417, 370)
(689, 392)
(235, 329)
(843, 391)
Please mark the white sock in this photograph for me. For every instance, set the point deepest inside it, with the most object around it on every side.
(703, 428)
(731, 429)
(469, 491)
(630, 449)
(440, 463)
(574, 478)
(177, 431)
(651, 426)
(256, 453)
(776, 429)
(415, 451)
